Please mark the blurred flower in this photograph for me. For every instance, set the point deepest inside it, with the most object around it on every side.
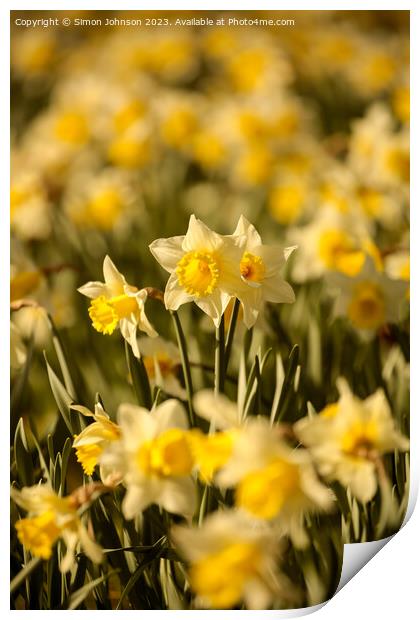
(34, 52)
(51, 517)
(154, 458)
(203, 267)
(162, 362)
(348, 437)
(116, 303)
(273, 481)
(260, 268)
(92, 441)
(30, 209)
(369, 300)
(232, 561)
(17, 348)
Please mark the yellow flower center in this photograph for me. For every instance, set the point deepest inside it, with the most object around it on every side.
(221, 577)
(209, 150)
(337, 251)
(366, 309)
(360, 439)
(88, 456)
(164, 362)
(128, 115)
(263, 493)
(198, 273)
(129, 152)
(286, 203)
(397, 161)
(210, 452)
(105, 313)
(330, 411)
(105, 207)
(38, 534)
(179, 127)
(252, 267)
(24, 283)
(167, 455)
(72, 127)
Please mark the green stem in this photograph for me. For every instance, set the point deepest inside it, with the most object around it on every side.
(231, 332)
(219, 365)
(182, 345)
(139, 378)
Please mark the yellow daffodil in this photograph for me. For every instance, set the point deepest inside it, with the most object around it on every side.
(347, 438)
(162, 362)
(260, 268)
(92, 441)
(203, 267)
(49, 518)
(154, 458)
(272, 481)
(369, 300)
(232, 561)
(117, 304)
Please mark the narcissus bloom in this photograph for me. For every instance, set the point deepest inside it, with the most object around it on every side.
(260, 269)
(91, 442)
(51, 517)
(117, 304)
(162, 361)
(348, 437)
(154, 458)
(232, 561)
(272, 481)
(369, 300)
(203, 267)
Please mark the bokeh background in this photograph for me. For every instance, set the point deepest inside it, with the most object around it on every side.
(120, 133)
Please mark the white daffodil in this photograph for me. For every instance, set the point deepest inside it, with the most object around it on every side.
(117, 304)
(49, 518)
(369, 300)
(260, 270)
(272, 481)
(232, 561)
(92, 441)
(348, 437)
(162, 361)
(203, 267)
(154, 458)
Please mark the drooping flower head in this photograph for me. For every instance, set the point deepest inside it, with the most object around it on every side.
(203, 267)
(117, 304)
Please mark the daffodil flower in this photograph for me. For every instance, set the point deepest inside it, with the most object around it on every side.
(369, 300)
(154, 458)
(91, 442)
(231, 560)
(162, 360)
(260, 269)
(49, 518)
(203, 267)
(117, 304)
(347, 438)
(272, 481)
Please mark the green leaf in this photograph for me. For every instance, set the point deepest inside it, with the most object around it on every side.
(182, 346)
(61, 397)
(288, 391)
(139, 378)
(24, 573)
(23, 459)
(77, 598)
(58, 346)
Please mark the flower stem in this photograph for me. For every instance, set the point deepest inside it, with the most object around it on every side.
(182, 345)
(231, 332)
(219, 365)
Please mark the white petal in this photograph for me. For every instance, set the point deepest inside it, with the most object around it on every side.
(137, 499)
(93, 289)
(170, 414)
(216, 408)
(175, 296)
(137, 424)
(278, 290)
(200, 237)
(114, 280)
(168, 252)
(178, 496)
